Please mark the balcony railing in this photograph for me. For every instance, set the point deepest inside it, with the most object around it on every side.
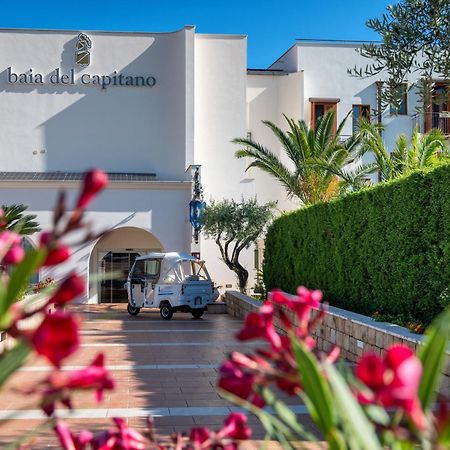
(428, 121)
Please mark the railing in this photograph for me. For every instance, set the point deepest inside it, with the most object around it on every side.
(429, 121)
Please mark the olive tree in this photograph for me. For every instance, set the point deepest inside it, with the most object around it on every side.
(234, 227)
(415, 38)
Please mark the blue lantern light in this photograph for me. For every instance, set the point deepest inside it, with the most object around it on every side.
(195, 213)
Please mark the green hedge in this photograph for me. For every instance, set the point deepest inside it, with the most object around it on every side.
(385, 249)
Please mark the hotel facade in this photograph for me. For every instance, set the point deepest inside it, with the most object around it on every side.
(153, 110)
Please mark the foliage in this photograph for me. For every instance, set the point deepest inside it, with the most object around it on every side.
(309, 150)
(383, 249)
(349, 410)
(259, 287)
(234, 227)
(425, 150)
(14, 219)
(415, 37)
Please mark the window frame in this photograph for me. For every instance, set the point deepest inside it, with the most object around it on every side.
(397, 111)
(327, 104)
(360, 108)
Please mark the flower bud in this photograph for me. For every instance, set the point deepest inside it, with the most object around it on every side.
(72, 287)
(56, 252)
(94, 181)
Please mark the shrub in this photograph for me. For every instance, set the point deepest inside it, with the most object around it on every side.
(385, 249)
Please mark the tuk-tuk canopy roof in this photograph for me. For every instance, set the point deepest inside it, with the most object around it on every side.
(169, 257)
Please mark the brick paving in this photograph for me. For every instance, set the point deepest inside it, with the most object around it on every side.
(167, 368)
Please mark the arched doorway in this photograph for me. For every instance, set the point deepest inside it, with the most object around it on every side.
(112, 257)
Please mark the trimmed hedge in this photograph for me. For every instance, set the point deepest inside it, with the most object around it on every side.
(385, 249)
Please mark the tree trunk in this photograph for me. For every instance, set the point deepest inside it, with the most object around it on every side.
(242, 275)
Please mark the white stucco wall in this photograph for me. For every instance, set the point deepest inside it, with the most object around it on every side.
(268, 98)
(220, 116)
(120, 128)
(161, 211)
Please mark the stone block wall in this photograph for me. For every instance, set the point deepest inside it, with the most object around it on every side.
(354, 333)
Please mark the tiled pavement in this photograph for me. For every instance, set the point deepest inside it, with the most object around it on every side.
(164, 368)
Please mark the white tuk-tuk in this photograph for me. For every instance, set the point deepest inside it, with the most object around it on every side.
(171, 282)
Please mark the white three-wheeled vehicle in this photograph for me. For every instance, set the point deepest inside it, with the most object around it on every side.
(171, 282)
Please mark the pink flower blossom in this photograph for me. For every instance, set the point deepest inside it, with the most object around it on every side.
(260, 325)
(72, 287)
(393, 381)
(233, 379)
(56, 251)
(199, 435)
(94, 181)
(95, 376)
(68, 440)
(235, 427)
(56, 337)
(10, 247)
(3, 221)
(124, 438)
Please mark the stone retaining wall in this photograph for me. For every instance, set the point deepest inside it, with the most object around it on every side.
(353, 333)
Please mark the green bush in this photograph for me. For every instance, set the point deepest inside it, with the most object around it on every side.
(385, 249)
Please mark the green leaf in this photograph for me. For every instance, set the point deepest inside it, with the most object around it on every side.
(432, 355)
(286, 414)
(272, 424)
(315, 387)
(358, 429)
(21, 276)
(11, 360)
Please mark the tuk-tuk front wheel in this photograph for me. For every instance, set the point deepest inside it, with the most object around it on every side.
(197, 313)
(166, 311)
(133, 310)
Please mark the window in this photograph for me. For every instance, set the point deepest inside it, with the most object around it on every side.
(402, 109)
(319, 107)
(358, 112)
(152, 268)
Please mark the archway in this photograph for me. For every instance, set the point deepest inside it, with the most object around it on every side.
(111, 259)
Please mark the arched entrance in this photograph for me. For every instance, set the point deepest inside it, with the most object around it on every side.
(112, 257)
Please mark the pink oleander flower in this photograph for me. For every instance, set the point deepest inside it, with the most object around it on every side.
(95, 376)
(72, 287)
(124, 438)
(10, 246)
(199, 435)
(302, 304)
(56, 251)
(56, 337)
(94, 181)
(235, 427)
(260, 325)
(240, 383)
(393, 381)
(70, 441)
(3, 221)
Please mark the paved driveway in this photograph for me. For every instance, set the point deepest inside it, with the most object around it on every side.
(164, 368)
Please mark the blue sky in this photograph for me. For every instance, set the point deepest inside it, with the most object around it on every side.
(271, 26)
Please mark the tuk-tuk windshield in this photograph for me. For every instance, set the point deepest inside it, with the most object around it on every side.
(146, 269)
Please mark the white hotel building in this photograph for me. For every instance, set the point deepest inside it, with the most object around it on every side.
(148, 108)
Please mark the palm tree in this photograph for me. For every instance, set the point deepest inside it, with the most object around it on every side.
(14, 219)
(319, 157)
(425, 150)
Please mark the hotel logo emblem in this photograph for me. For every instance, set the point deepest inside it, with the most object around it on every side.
(82, 54)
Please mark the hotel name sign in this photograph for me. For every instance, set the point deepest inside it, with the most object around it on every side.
(57, 77)
(82, 58)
